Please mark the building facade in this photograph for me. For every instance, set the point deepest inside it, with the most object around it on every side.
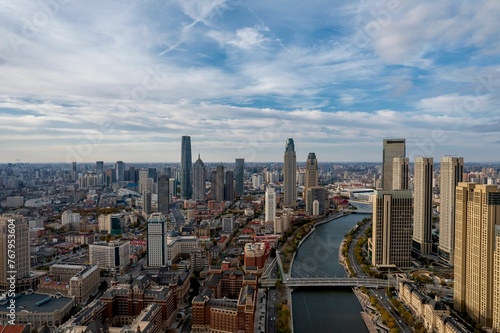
(270, 205)
(392, 228)
(476, 220)
(452, 170)
(163, 195)
(311, 176)
(239, 176)
(112, 256)
(422, 225)
(157, 240)
(199, 175)
(186, 168)
(289, 175)
(392, 148)
(400, 173)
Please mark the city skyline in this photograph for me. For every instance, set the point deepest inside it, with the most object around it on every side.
(89, 82)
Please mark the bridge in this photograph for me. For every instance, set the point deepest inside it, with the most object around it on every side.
(340, 282)
(304, 275)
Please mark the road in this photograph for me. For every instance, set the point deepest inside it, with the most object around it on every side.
(401, 324)
(351, 256)
(271, 311)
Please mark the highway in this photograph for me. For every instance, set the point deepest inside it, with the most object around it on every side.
(351, 256)
(381, 297)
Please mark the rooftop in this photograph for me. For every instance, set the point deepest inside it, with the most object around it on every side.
(37, 303)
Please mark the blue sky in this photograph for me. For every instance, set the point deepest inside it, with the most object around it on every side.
(124, 80)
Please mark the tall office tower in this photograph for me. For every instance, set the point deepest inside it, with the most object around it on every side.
(163, 195)
(392, 228)
(120, 171)
(392, 148)
(143, 180)
(99, 169)
(476, 221)
(239, 175)
(229, 186)
(130, 175)
(146, 202)
(199, 179)
(422, 223)
(172, 183)
(452, 170)
(74, 172)
(152, 173)
(218, 183)
(289, 172)
(270, 205)
(18, 226)
(400, 173)
(157, 240)
(496, 282)
(311, 173)
(186, 165)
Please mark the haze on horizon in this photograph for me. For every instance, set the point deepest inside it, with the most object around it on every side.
(87, 81)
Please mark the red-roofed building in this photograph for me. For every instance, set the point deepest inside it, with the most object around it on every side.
(14, 329)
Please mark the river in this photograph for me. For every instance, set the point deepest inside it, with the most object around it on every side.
(329, 310)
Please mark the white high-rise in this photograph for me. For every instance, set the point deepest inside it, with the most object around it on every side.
(400, 173)
(452, 170)
(157, 240)
(422, 222)
(270, 205)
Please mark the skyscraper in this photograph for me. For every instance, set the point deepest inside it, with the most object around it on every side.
(239, 174)
(422, 223)
(99, 171)
(74, 172)
(270, 205)
(120, 171)
(392, 148)
(146, 202)
(163, 195)
(218, 185)
(400, 173)
(229, 186)
(392, 228)
(157, 240)
(477, 223)
(186, 165)
(496, 282)
(452, 169)
(311, 174)
(199, 179)
(289, 173)
(18, 226)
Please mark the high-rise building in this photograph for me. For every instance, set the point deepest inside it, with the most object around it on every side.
(18, 265)
(218, 183)
(422, 223)
(392, 148)
(146, 202)
(477, 220)
(172, 183)
(199, 179)
(496, 282)
(143, 180)
(289, 173)
(163, 194)
(186, 165)
(157, 240)
(320, 194)
(270, 205)
(120, 171)
(452, 170)
(74, 172)
(99, 168)
(113, 256)
(311, 173)
(239, 175)
(400, 173)
(229, 186)
(392, 228)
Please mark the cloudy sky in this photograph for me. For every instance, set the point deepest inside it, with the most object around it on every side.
(124, 80)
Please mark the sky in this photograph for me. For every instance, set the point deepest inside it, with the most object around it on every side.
(124, 80)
